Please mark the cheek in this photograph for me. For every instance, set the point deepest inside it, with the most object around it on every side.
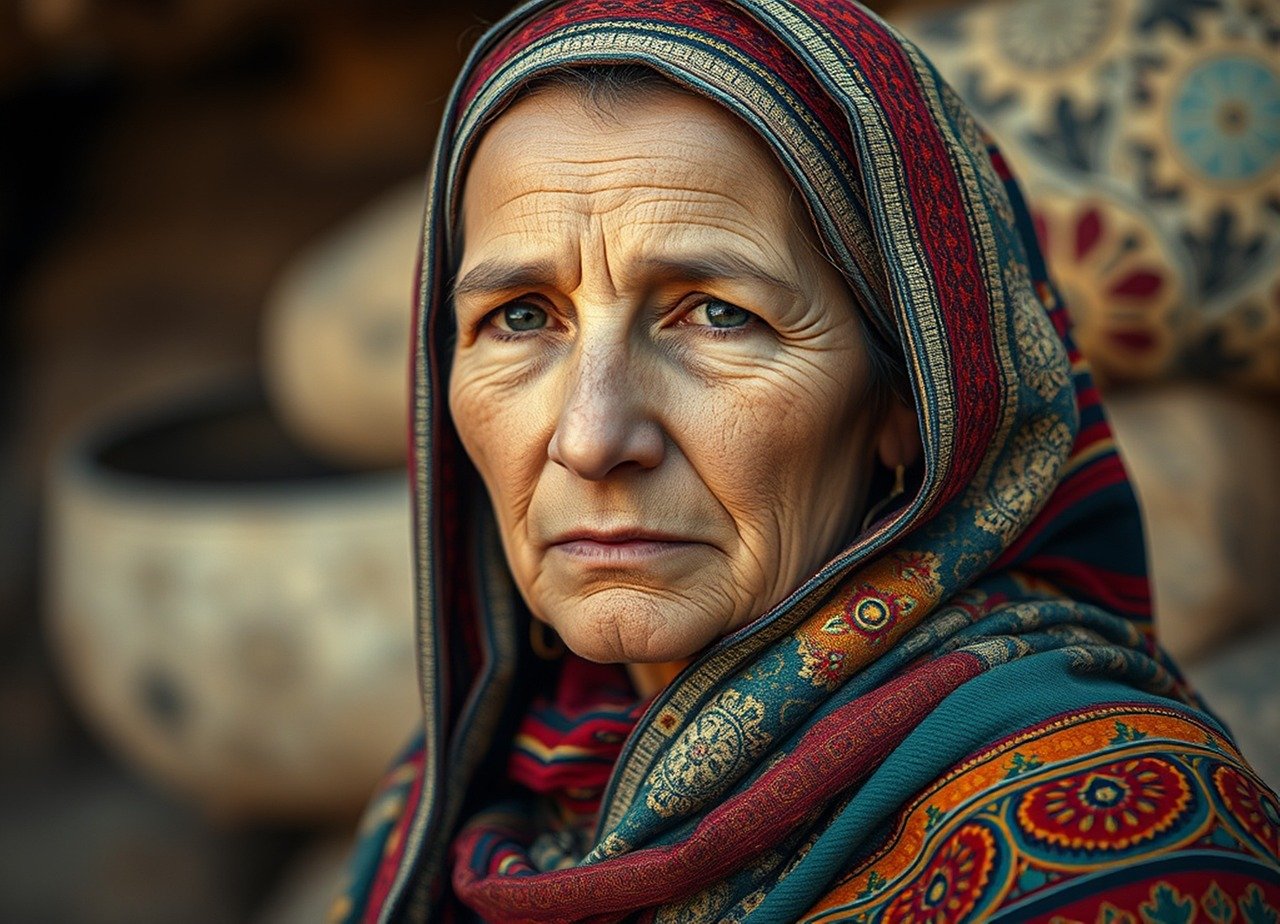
(503, 438)
(784, 453)
(763, 430)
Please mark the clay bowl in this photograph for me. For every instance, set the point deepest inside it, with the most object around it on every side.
(232, 614)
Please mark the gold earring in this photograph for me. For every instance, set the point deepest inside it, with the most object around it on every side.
(899, 486)
(544, 641)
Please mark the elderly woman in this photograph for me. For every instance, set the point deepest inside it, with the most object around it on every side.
(774, 559)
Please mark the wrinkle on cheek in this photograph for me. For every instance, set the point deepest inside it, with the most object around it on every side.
(767, 457)
(824, 352)
(478, 388)
(471, 418)
(499, 434)
(488, 409)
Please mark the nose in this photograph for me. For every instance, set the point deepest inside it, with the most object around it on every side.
(604, 423)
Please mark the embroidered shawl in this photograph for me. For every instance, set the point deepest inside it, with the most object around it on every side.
(962, 715)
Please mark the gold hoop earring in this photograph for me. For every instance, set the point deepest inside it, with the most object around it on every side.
(899, 486)
(544, 641)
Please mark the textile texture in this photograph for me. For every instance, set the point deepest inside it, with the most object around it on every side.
(962, 715)
(1148, 136)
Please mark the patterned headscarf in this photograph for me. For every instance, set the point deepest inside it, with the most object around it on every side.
(814, 760)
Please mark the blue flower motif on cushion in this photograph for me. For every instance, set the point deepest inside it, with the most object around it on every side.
(1225, 118)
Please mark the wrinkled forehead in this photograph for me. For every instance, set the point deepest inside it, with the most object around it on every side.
(652, 161)
(710, 48)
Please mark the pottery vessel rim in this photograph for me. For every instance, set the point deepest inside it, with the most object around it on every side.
(89, 458)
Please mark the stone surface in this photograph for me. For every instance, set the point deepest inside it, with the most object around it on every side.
(1239, 684)
(1206, 467)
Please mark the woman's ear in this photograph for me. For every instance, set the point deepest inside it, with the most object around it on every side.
(899, 438)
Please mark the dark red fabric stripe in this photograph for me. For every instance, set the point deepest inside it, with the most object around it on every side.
(1126, 594)
(1090, 436)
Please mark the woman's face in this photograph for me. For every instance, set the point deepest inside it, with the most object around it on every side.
(661, 381)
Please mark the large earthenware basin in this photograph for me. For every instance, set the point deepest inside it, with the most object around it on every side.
(233, 615)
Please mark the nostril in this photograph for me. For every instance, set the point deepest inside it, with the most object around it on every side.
(586, 449)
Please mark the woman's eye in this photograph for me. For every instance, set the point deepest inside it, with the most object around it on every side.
(521, 316)
(718, 314)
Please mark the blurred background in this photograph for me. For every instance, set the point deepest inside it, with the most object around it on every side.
(208, 219)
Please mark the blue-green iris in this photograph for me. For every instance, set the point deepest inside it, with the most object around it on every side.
(524, 316)
(722, 314)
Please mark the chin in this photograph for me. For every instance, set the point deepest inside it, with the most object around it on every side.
(629, 627)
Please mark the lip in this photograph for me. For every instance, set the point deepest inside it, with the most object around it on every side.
(620, 546)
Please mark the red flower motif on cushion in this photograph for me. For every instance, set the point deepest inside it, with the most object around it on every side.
(1107, 808)
(1120, 282)
(953, 883)
(1253, 808)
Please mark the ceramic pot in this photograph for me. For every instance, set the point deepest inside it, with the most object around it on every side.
(336, 336)
(234, 616)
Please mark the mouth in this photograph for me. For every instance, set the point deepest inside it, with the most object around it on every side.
(621, 547)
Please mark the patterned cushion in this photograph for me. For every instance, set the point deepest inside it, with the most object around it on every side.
(1147, 134)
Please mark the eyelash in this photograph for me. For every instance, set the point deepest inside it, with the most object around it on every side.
(507, 336)
(722, 333)
(707, 330)
(488, 322)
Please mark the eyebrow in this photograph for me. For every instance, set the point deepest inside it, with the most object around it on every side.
(722, 265)
(497, 275)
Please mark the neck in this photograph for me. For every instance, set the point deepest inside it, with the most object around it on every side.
(649, 679)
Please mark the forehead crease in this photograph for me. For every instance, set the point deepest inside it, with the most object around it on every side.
(650, 220)
(638, 256)
(540, 187)
(633, 214)
(720, 199)
(686, 163)
(683, 161)
(549, 180)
